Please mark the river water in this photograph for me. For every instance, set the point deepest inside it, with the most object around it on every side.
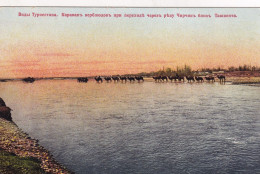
(141, 127)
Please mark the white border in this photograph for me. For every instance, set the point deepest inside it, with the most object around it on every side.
(134, 3)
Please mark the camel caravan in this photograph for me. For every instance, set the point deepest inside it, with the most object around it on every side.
(175, 78)
(189, 78)
(108, 79)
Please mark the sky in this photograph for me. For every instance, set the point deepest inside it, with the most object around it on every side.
(83, 46)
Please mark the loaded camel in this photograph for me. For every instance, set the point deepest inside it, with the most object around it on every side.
(98, 79)
(173, 78)
(199, 79)
(157, 78)
(131, 79)
(180, 78)
(222, 78)
(139, 78)
(190, 78)
(123, 79)
(164, 78)
(210, 78)
(115, 78)
(108, 79)
(160, 78)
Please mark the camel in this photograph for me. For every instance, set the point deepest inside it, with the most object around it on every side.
(210, 78)
(222, 78)
(83, 79)
(199, 79)
(98, 79)
(139, 78)
(115, 78)
(164, 78)
(123, 79)
(190, 78)
(170, 78)
(160, 78)
(131, 79)
(180, 78)
(157, 78)
(108, 79)
(173, 78)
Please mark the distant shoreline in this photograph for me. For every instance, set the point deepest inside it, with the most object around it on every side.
(234, 74)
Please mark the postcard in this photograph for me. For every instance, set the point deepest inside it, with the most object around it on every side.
(129, 90)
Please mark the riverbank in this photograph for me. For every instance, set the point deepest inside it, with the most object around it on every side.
(20, 152)
(11, 163)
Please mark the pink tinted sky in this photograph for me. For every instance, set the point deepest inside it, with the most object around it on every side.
(59, 46)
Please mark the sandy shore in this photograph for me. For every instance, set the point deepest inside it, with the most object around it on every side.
(252, 81)
(15, 141)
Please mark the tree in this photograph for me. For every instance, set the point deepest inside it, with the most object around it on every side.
(168, 71)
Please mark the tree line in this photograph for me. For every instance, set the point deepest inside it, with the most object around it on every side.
(187, 70)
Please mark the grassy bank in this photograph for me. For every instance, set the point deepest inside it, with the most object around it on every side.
(11, 163)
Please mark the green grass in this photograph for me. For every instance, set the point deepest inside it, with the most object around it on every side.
(10, 164)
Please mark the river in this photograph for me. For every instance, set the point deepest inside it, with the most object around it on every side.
(141, 127)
